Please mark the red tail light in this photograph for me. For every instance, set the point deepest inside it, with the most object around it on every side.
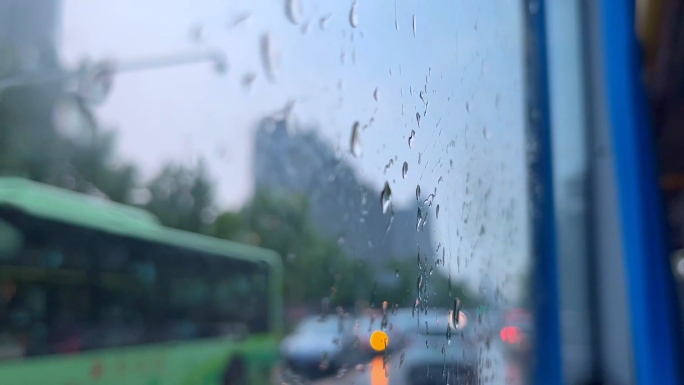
(511, 335)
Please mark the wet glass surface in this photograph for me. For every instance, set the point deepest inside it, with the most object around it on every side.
(378, 147)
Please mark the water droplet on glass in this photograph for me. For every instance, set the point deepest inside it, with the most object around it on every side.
(485, 133)
(411, 138)
(437, 212)
(376, 95)
(414, 25)
(293, 10)
(270, 57)
(404, 170)
(248, 80)
(324, 21)
(389, 224)
(240, 19)
(418, 118)
(353, 17)
(418, 192)
(355, 141)
(427, 344)
(419, 285)
(340, 240)
(428, 200)
(439, 181)
(427, 331)
(455, 313)
(448, 334)
(196, 34)
(420, 157)
(419, 219)
(401, 358)
(325, 362)
(467, 107)
(386, 198)
(396, 272)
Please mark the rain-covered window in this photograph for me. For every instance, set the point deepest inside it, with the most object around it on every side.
(264, 191)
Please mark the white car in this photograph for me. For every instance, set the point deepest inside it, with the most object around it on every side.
(318, 346)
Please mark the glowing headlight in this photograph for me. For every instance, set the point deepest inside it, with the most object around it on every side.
(379, 340)
(460, 323)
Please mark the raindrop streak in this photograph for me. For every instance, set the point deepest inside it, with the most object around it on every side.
(293, 9)
(355, 141)
(401, 358)
(418, 118)
(353, 18)
(386, 198)
(418, 192)
(376, 95)
(437, 212)
(414, 26)
(404, 170)
(419, 219)
(270, 59)
(455, 315)
(396, 21)
(411, 138)
(389, 224)
(419, 285)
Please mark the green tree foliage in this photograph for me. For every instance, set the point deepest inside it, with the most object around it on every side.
(32, 146)
(182, 197)
(315, 266)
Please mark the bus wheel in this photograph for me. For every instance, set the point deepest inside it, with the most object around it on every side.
(236, 373)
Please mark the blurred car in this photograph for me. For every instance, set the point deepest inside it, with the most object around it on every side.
(516, 333)
(439, 349)
(318, 346)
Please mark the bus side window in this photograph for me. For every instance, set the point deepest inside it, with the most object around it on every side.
(240, 294)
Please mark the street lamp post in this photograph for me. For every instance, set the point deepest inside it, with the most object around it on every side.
(94, 80)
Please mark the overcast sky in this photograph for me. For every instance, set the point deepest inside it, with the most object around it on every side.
(467, 56)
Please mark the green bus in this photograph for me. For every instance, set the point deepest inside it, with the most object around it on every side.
(95, 292)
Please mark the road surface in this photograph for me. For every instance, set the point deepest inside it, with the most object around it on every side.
(495, 370)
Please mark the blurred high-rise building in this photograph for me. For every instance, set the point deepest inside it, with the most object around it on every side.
(341, 205)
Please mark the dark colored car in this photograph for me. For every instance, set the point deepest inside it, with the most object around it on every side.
(438, 350)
